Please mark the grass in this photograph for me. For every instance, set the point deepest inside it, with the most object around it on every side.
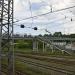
(25, 69)
(26, 46)
(28, 52)
(28, 70)
(46, 53)
(54, 63)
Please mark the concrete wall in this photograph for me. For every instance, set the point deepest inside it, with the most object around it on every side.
(59, 43)
(70, 46)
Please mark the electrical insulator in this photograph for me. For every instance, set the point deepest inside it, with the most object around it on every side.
(71, 19)
(0, 19)
(35, 28)
(65, 17)
(22, 26)
(51, 10)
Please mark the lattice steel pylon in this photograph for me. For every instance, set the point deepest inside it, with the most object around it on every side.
(6, 36)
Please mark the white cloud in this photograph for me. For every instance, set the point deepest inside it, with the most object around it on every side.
(22, 11)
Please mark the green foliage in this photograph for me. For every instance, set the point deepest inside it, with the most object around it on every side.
(72, 35)
(23, 44)
(57, 34)
(40, 45)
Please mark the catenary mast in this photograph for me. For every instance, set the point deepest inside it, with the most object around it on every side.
(6, 35)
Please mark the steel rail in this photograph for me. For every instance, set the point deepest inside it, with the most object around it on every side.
(60, 70)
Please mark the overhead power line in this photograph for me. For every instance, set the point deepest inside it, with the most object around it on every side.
(30, 10)
(49, 23)
(46, 13)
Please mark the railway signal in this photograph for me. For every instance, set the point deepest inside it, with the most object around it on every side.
(22, 26)
(35, 28)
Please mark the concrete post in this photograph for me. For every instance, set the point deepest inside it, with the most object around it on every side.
(37, 46)
(43, 47)
(34, 45)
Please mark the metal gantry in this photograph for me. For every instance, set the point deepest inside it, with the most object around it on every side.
(6, 31)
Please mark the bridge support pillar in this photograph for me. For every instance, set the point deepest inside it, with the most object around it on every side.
(43, 47)
(62, 51)
(52, 48)
(35, 46)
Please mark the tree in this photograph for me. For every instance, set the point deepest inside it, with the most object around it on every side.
(57, 34)
(72, 35)
(16, 35)
(40, 35)
(25, 35)
(45, 35)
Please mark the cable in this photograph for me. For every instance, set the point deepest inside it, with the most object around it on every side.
(46, 13)
(53, 27)
(48, 22)
(30, 11)
(64, 24)
(55, 21)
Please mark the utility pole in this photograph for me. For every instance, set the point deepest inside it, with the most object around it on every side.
(6, 35)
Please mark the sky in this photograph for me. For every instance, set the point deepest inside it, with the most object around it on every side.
(53, 22)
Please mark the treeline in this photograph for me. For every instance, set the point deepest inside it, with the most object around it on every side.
(56, 34)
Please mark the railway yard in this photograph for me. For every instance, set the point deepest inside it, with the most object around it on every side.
(41, 62)
(32, 63)
(37, 37)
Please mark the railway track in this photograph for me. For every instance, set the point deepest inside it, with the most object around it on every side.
(48, 67)
(56, 70)
(60, 60)
(4, 70)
